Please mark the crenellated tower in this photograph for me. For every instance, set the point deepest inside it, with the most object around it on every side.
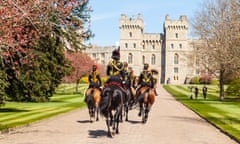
(176, 48)
(131, 35)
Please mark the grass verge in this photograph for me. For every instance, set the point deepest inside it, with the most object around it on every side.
(222, 114)
(14, 114)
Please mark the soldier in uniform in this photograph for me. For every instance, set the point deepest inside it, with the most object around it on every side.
(94, 78)
(145, 78)
(115, 68)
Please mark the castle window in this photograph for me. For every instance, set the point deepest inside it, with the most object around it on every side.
(130, 58)
(130, 34)
(176, 35)
(172, 45)
(126, 45)
(176, 70)
(176, 59)
(153, 46)
(143, 59)
(143, 46)
(153, 59)
(134, 45)
(180, 45)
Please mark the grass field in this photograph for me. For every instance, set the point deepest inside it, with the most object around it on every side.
(14, 114)
(223, 114)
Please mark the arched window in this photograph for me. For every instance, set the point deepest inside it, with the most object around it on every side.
(176, 59)
(130, 34)
(153, 59)
(143, 59)
(172, 46)
(126, 45)
(134, 45)
(130, 58)
(180, 45)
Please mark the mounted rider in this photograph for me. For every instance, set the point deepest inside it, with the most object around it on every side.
(145, 78)
(115, 69)
(94, 78)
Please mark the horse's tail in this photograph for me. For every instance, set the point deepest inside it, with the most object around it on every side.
(89, 98)
(104, 102)
(146, 96)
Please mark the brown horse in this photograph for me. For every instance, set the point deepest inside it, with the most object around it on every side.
(92, 98)
(145, 98)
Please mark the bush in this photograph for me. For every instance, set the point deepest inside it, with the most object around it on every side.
(234, 88)
(214, 82)
(3, 85)
(195, 80)
(85, 79)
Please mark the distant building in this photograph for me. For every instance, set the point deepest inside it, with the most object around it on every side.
(169, 53)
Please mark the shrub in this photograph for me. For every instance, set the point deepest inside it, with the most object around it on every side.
(234, 88)
(195, 80)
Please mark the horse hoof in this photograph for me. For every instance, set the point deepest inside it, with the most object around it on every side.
(109, 135)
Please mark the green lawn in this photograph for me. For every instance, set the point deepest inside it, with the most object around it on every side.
(14, 114)
(223, 114)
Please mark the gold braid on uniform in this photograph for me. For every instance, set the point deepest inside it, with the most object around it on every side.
(113, 63)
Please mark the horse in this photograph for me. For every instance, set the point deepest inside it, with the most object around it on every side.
(92, 98)
(111, 105)
(145, 98)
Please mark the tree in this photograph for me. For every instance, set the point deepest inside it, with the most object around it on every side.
(33, 35)
(217, 24)
(81, 64)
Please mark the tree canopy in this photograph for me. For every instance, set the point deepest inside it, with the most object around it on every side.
(217, 24)
(33, 38)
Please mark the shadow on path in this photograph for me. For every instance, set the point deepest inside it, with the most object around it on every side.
(97, 133)
(84, 121)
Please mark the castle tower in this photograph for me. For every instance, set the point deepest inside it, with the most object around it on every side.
(131, 34)
(176, 48)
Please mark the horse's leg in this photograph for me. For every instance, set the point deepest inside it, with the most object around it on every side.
(117, 124)
(126, 110)
(117, 116)
(89, 112)
(141, 109)
(97, 113)
(108, 121)
(146, 112)
(111, 118)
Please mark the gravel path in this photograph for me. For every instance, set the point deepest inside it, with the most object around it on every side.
(169, 123)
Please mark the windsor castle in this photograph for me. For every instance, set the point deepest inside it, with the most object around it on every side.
(169, 53)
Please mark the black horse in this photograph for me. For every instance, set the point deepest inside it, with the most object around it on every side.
(111, 105)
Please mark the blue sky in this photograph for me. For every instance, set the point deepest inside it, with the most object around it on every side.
(106, 14)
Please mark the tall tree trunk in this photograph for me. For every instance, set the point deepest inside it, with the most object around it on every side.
(77, 84)
(221, 84)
